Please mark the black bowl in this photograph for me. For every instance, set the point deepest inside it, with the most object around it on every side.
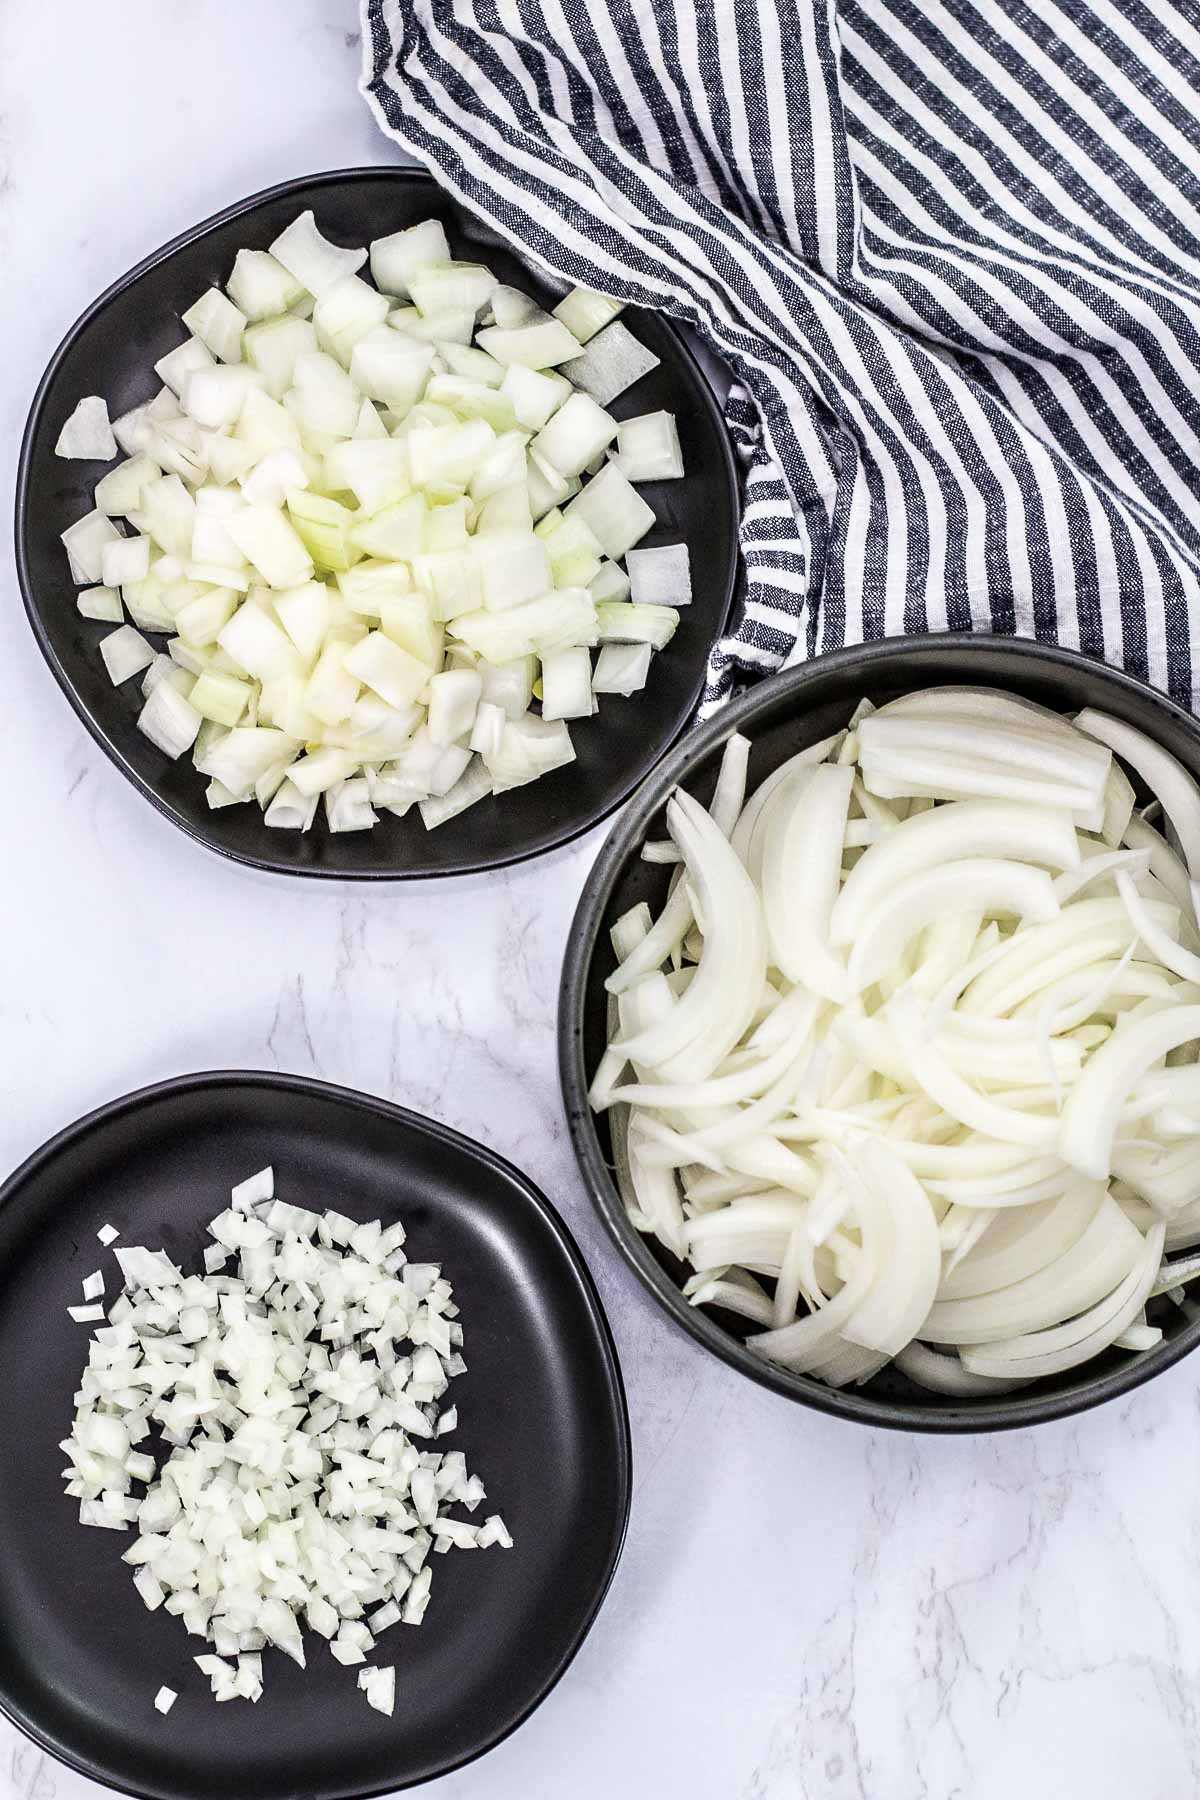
(112, 349)
(543, 1420)
(782, 717)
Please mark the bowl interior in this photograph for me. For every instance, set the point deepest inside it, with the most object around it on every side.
(112, 350)
(794, 711)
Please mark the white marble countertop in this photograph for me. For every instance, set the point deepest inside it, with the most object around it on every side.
(805, 1610)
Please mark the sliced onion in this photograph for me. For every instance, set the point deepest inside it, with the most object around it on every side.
(1167, 780)
(1090, 1116)
(922, 1088)
(963, 829)
(1065, 1346)
(801, 867)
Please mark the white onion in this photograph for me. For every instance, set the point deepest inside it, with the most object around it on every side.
(584, 313)
(126, 653)
(87, 434)
(648, 448)
(898, 1041)
(296, 1396)
(660, 576)
(611, 362)
(347, 513)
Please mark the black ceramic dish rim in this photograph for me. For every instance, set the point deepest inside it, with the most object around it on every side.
(326, 178)
(1003, 1414)
(215, 1080)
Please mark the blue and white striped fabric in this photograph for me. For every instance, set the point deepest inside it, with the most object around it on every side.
(950, 250)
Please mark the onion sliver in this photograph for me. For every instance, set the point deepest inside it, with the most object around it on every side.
(970, 705)
(896, 1308)
(998, 887)
(710, 1018)
(734, 1296)
(729, 795)
(1022, 1240)
(1090, 1116)
(1048, 1352)
(801, 869)
(749, 1083)
(1166, 778)
(962, 828)
(931, 1071)
(655, 1190)
(946, 1375)
(1083, 1274)
(1016, 746)
(1160, 943)
(799, 1345)
(1043, 954)
(743, 831)
(1165, 866)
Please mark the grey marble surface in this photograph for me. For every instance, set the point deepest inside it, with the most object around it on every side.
(805, 1611)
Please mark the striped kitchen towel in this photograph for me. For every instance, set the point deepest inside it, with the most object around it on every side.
(949, 249)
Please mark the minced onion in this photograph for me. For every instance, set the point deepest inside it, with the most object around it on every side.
(905, 1068)
(347, 501)
(297, 1383)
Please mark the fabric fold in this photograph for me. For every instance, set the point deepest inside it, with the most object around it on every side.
(948, 249)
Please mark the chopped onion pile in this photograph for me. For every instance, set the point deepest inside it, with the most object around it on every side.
(906, 1067)
(297, 1395)
(362, 516)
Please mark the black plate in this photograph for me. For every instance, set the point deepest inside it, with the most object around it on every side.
(543, 1421)
(780, 718)
(111, 350)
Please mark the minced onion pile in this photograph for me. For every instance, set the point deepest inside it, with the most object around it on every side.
(360, 513)
(296, 1395)
(914, 1038)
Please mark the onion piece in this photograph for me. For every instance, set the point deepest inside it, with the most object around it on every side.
(1090, 1115)
(612, 361)
(946, 1374)
(87, 435)
(712, 1015)
(958, 830)
(1165, 866)
(894, 1311)
(1060, 756)
(1067, 1346)
(985, 883)
(1159, 942)
(1019, 1241)
(931, 1072)
(801, 866)
(311, 259)
(747, 835)
(1081, 1276)
(1166, 778)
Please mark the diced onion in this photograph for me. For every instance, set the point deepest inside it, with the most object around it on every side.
(346, 514)
(87, 434)
(298, 1400)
